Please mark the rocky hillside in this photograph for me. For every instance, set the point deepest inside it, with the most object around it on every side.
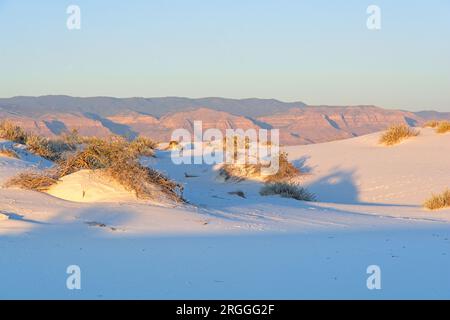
(158, 117)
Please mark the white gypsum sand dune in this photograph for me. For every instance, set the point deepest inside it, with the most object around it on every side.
(225, 246)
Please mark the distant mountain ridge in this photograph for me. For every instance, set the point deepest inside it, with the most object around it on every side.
(158, 117)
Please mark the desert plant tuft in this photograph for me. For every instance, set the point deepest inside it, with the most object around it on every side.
(238, 193)
(33, 181)
(438, 201)
(287, 190)
(239, 172)
(397, 133)
(47, 148)
(431, 124)
(143, 147)
(443, 127)
(285, 172)
(12, 132)
(8, 153)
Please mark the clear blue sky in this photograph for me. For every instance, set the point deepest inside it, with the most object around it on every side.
(316, 51)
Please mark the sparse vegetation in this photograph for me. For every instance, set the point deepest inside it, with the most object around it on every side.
(143, 147)
(286, 170)
(12, 132)
(287, 190)
(50, 149)
(33, 181)
(173, 145)
(238, 193)
(239, 172)
(8, 153)
(443, 127)
(438, 201)
(431, 124)
(116, 156)
(397, 133)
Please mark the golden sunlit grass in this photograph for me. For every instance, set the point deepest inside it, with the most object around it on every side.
(116, 156)
(239, 172)
(9, 153)
(438, 201)
(397, 133)
(33, 181)
(431, 124)
(443, 127)
(10, 131)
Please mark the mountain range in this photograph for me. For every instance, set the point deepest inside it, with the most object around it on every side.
(156, 118)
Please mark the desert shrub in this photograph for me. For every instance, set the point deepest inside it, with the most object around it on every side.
(8, 153)
(121, 163)
(286, 170)
(438, 201)
(118, 157)
(287, 190)
(33, 181)
(72, 138)
(238, 193)
(431, 124)
(12, 132)
(173, 145)
(397, 133)
(143, 147)
(443, 127)
(142, 180)
(239, 172)
(50, 149)
(97, 154)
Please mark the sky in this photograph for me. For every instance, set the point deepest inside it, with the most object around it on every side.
(316, 51)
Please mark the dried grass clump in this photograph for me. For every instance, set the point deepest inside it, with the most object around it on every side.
(143, 147)
(173, 145)
(239, 172)
(12, 132)
(145, 182)
(8, 153)
(33, 181)
(121, 162)
(431, 124)
(397, 133)
(97, 154)
(443, 127)
(118, 157)
(50, 149)
(438, 201)
(287, 190)
(285, 172)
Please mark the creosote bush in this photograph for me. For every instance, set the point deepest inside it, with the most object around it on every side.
(438, 201)
(397, 133)
(287, 190)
